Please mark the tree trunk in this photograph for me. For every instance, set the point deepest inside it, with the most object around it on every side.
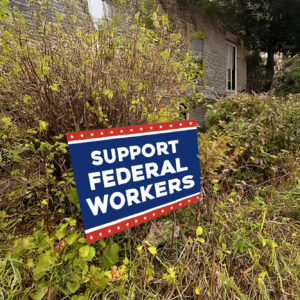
(269, 69)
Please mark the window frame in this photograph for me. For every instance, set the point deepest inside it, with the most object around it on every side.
(236, 67)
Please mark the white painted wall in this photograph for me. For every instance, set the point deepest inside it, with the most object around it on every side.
(99, 10)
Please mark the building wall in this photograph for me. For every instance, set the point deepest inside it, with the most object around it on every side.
(190, 19)
(64, 7)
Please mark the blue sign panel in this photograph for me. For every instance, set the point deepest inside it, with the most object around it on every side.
(127, 176)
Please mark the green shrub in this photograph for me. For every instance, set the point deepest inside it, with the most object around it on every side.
(74, 78)
(231, 244)
(61, 77)
(263, 128)
(66, 76)
(287, 79)
(292, 75)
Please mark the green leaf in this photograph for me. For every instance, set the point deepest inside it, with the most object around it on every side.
(87, 252)
(110, 256)
(108, 93)
(43, 125)
(61, 231)
(27, 99)
(199, 231)
(54, 87)
(39, 294)
(45, 262)
(84, 251)
(72, 237)
(72, 286)
(165, 54)
(72, 195)
(197, 291)
(152, 250)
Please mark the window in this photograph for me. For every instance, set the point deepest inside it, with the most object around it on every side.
(231, 74)
(197, 47)
(99, 10)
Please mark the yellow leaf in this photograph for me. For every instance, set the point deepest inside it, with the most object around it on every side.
(43, 125)
(197, 290)
(152, 250)
(171, 272)
(199, 231)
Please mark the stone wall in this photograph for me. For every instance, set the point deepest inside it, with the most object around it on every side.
(190, 19)
(54, 7)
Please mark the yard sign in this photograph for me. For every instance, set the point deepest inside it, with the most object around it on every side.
(127, 176)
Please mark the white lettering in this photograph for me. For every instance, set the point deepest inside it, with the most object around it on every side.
(97, 159)
(137, 173)
(113, 204)
(132, 196)
(120, 179)
(94, 178)
(188, 182)
(108, 178)
(94, 207)
(160, 189)
(174, 185)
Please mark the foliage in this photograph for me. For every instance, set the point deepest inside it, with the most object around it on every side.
(287, 80)
(260, 130)
(59, 77)
(255, 72)
(78, 78)
(69, 77)
(240, 241)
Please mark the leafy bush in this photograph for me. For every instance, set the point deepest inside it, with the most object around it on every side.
(245, 245)
(260, 130)
(68, 77)
(292, 76)
(287, 79)
(61, 77)
(74, 78)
